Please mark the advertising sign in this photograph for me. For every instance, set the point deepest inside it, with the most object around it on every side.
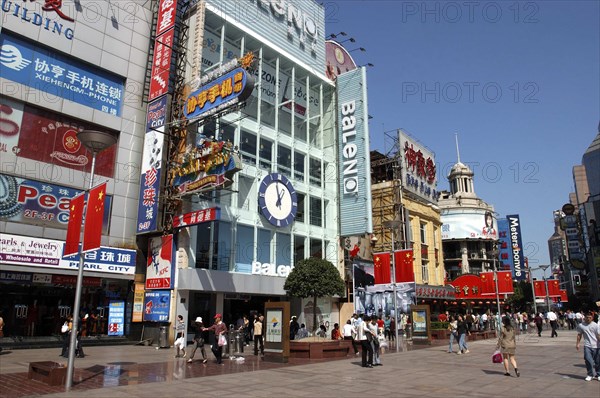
(516, 247)
(44, 136)
(38, 252)
(138, 303)
(504, 246)
(161, 65)
(378, 299)
(197, 217)
(39, 203)
(116, 318)
(156, 306)
(151, 166)
(49, 15)
(468, 224)
(418, 170)
(18, 277)
(354, 172)
(274, 323)
(36, 67)
(161, 262)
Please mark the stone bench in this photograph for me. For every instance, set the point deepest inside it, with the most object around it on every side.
(49, 372)
(320, 349)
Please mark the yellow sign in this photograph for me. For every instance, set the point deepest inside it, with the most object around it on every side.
(138, 303)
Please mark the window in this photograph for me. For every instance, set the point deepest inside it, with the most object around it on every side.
(299, 248)
(203, 240)
(298, 166)
(244, 192)
(263, 246)
(267, 114)
(316, 248)
(283, 250)
(314, 169)
(423, 230)
(315, 211)
(285, 120)
(251, 109)
(284, 160)
(227, 133)
(425, 271)
(222, 253)
(301, 207)
(265, 154)
(248, 147)
(244, 251)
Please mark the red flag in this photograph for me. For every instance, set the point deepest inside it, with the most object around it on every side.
(404, 266)
(539, 288)
(487, 283)
(563, 296)
(381, 267)
(553, 288)
(74, 226)
(92, 232)
(505, 282)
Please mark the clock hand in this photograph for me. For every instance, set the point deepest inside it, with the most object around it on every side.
(281, 193)
(278, 202)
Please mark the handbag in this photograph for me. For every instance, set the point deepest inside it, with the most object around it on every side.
(180, 342)
(222, 341)
(64, 328)
(497, 357)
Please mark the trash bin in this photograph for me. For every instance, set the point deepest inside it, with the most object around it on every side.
(163, 338)
(239, 342)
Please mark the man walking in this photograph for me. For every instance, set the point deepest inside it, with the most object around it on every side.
(591, 353)
(553, 319)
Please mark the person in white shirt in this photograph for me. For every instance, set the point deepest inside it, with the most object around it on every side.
(553, 319)
(590, 331)
(361, 335)
(349, 333)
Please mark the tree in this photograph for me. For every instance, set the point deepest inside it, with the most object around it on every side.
(314, 277)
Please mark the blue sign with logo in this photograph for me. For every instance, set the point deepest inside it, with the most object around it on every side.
(60, 75)
(116, 318)
(156, 305)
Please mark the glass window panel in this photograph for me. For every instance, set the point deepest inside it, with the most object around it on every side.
(283, 251)
(315, 132)
(248, 147)
(209, 129)
(263, 246)
(227, 133)
(285, 121)
(298, 166)
(203, 245)
(284, 160)
(314, 169)
(299, 243)
(316, 248)
(267, 114)
(301, 207)
(223, 246)
(244, 252)
(300, 129)
(244, 192)
(265, 153)
(315, 212)
(250, 110)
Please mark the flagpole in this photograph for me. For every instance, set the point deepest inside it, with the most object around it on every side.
(393, 224)
(95, 142)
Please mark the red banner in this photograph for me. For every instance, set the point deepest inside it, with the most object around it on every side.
(488, 285)
(505, 282)
(382, 268)
(539, 288)
(92, 232)
(553, 288)
(74, 225)
(196, 217)
(404, 266)
(563, 296)
(161, 65)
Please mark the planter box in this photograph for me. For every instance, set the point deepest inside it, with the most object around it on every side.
(320, 349)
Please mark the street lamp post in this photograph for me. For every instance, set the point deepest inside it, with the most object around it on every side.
(494, 254)
(533, 290)
(544, 268)
(95, 142)
(393, 224)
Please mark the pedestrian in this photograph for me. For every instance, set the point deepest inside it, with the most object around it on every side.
(374, 331)
(199, 339)
(294, 327)
(453, 334)
(461, 330)
(349, 333)
(66, 336)
(507, 345)
(322, 332)
(363, 336)
(336, 333)
(258, 335)
(302, 332)
(220, 330)
(553, 319)
(539, 323)
(179, 337)
(387, 327)
(590, 331)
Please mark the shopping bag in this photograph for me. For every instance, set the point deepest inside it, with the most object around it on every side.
(222, 340)
(497, 357)
(64, 328)
(180, 342)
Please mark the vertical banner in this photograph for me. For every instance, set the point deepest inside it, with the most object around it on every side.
(94, 214)
(161, 262)
(74, 225)
(116, 318)
(138, 303)
(516, 247)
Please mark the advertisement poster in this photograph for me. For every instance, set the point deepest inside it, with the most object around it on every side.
(378, 300)
(66, 77)
(45, 136)
(420, 321)
(156, 306)
(323, 313)
(274, 323)
(469, 224)
(39, 203)
(161, 262)
(116, 318)
(138, 303)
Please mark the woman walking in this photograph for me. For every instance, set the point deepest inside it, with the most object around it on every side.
(507, 346)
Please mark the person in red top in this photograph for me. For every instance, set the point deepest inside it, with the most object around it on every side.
(219, 328)
(380, 323)
(336, 334)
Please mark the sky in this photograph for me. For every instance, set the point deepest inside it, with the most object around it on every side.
(516, 82)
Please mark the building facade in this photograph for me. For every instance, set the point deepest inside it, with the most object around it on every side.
(65, 68)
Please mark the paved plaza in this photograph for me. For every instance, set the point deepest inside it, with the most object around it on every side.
(550, 367)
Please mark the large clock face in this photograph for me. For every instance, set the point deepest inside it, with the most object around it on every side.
(277, 200)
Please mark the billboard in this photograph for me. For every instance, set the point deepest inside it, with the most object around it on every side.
(45, 136)
(469, 224)
(354, 154)
(60, 75)
(116, 318)
(156, 306)
(161, 262)
(39, 203)
(338, 60)
(418, 170)
(516, 247)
